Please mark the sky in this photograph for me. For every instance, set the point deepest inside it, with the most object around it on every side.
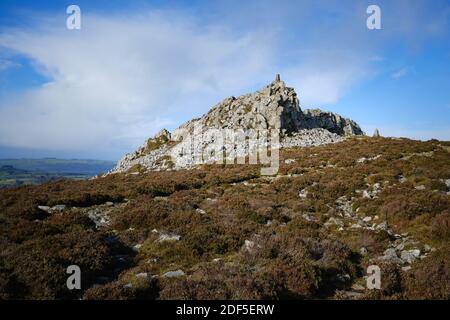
(136, 67)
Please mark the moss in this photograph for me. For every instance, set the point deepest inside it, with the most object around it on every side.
(136, 168)
(153, 144)
(247, 108)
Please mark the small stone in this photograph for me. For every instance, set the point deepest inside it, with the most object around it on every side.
(427, 248)
(174, 274)
(407, 268)
(447, 182)
(382, 226)
(200, 211)
(168, 237)
(59, 207)
(390, 252)
(343, 277)
(142, 275)
(109, 203)
(137, 247)
(303, 193)
(44, 208)
(391, 256)
(150, 261)
(415, 252)
(363, 250)
(355, 226)
(248, 245)
(367, 219)
(409, 256)
(358, 287)
(421, 187)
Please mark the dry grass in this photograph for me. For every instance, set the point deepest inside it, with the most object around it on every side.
(215, 209)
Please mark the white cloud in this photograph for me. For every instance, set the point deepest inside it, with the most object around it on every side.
(400, 73)
(122, 77)
(325, 76)
(119, 79)
(319, 85)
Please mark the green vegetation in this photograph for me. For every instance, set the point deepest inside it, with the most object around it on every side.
(242, 236)
(153, 144)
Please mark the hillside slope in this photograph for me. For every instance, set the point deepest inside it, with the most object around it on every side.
(225, 232)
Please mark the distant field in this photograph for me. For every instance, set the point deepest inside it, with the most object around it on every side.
(51, 165)
(15, 172)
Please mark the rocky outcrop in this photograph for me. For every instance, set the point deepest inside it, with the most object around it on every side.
(315, 118)
(226, 129)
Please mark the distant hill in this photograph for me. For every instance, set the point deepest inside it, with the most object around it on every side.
(11, 170)
(53, 165)
(15, 172)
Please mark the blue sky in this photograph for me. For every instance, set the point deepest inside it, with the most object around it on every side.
(135, 68)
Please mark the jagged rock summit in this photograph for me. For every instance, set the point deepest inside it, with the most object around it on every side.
(274, 108)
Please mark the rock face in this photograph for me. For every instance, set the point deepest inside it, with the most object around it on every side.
(315, 118)
(224, 131)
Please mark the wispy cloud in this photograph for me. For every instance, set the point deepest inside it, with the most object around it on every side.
(120, 79)
(400, 73)
(124, 76)
(7, 64)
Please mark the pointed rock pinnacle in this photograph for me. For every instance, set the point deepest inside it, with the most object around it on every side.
(277, 78)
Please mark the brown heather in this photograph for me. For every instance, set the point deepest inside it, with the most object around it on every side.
(215, 209)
